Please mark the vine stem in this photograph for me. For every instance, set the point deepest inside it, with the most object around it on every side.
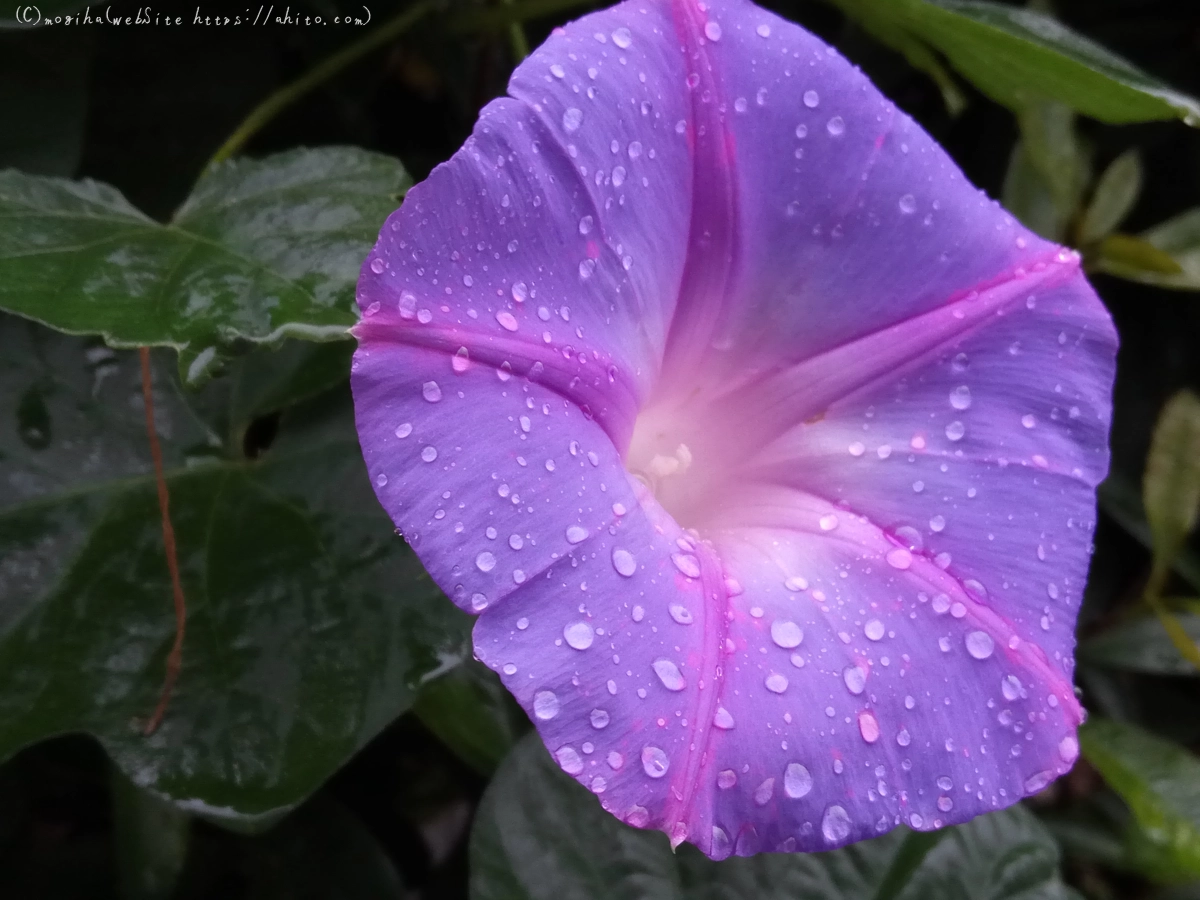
(322, 72)
(175, 657)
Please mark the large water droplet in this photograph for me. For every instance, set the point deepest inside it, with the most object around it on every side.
(668, 673)
(377, 266)
(572, 119)
(687, 564)
(429, 453)
(811, 99)
(460, 361)
(1038, 781)
(1010, 686)
(1068, 749)
(485, 561)
(569, 759)
(828, 522)
(431, 391)
(579, 635)
(797, 781)
(722, 719)
(655, 762)
(507, 320)
(874, 630)
(599, 718)
(868, 727)
(980, 644)
(680, 613)
(762, 793)
(835, 825)
(622, 38)
(960, 397)
(403, 431)
(955, 430)
(624, 563)
(836, 126)
(712, 31)
(786, 634)
(899, 558)
(545, 705)
(776, 683)
(576, 534)
(908, 204)
(726, 779)
(855, 678)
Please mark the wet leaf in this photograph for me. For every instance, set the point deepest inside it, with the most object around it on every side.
(1141, 645)
(1160, 781)
(1048, 170)
(1166, 256)
(1116, 192)
(310, 626)
(539, 834)
(261, 250)
(1172, 482)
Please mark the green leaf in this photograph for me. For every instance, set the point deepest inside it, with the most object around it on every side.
(1016, 55)
(1115, 194)
(1176, 264)
(1161, 783)
(1141, 645)
(1048, 170)
(260, 251)
(1172, 483)
(152, 841)
(539, 835)
(1121, 500)
(471, 713)
(310, 625)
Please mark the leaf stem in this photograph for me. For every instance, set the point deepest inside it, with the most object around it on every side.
(175, 657)
(322, 72)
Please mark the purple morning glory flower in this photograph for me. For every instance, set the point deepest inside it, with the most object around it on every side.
(764, 445)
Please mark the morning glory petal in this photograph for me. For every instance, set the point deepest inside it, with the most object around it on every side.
(764, 445)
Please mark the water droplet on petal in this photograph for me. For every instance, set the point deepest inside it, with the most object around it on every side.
(1038, 781)
(786, 634)
(1068, 749)
(1028, 420)
(572, 119)
(624, 562)
(763, 30)
(776, 683)
(599, 718)
(377, 266)
(980, 644)
(429, 453)
(828, 522)
(507, 320)
(908, 204)
(960, 397)
(403, 431)
(726, 779)
(579, 635)
(485, 561)
(937, 523)
(855, 678)
(569, 760)
(680, 613)
(955, 430)
(811, 99)
(668, 673)
(722, 719)
(545, 705)
(460, 361)
(899, 558)
(1010, 686)
(687, 564)
(797, 781)
(431, 391)
(576, 534)
(622, 38)
(868, 727)
(655, 762)
(762, 793)
(874, 630)
(835, 825)
(712, 31)
(836, 126)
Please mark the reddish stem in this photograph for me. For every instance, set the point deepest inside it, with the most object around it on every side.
(175, 657)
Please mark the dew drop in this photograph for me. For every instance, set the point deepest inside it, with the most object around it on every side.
(726, 779)
(712, 31)
(377, 266)
(585, 224)
(680, 613)
(868, 727)
(507, 320)
(828, 522)
(668, 673)
(624, 562)
(1068, 749)
(855, 679)
(786, 634)
(762, 793)
(722, 719)
(485, 561)
(599, 718)
(874, 630)
(687, 564)
(980, 644)
(1038, 781)
(460, 361)
(622, 38)
(569, 760)
(955, 430)
(960, 397)
(937, 523)
(776, 683)
(429, 453)
(545, 705)
(579, 635)
(431, 391)
(1028, 420)
(836, 126)
(655, 762)
(835, 825)
(908, 204)
(899, 558)
(797, 782)
(811, 99)
(403, 431)
(576, 534)
(572, 119)
(763, 30)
